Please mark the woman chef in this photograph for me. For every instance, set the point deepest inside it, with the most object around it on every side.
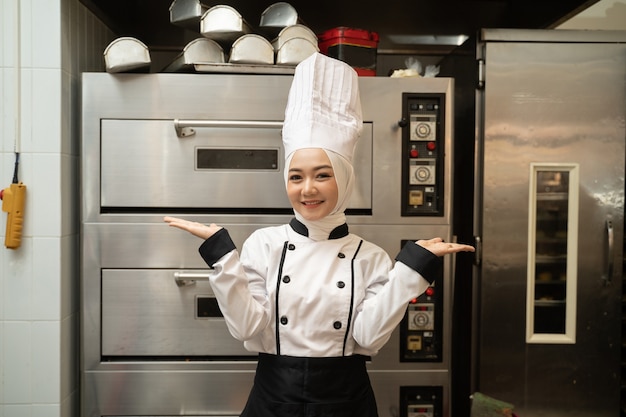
(313, 299)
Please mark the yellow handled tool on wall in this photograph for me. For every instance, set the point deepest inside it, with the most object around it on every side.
(13, 200)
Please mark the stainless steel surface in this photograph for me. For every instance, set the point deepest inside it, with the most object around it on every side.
(550, 98)
(184, 279)
(200, 50)
(162, 98)
(184, 184)
(146, 313)
(185, 128)
(557, 36)
(258, 69)
(251, 49)
(180, 392)
(223, 24)
(126, 54)
(144, 351)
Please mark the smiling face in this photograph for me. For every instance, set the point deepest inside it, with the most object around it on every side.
(311, 185)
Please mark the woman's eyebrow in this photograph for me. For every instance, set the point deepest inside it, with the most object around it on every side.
(317, 168)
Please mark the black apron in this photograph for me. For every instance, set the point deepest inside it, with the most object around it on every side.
(287, 386)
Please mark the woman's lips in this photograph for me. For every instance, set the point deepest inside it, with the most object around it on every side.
(312, 203)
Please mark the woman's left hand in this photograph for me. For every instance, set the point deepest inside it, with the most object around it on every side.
(441, 248)
(197, 229)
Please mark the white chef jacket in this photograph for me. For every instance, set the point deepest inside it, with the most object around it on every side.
(290, 295)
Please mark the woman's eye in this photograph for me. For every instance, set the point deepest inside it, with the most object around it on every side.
(295, 177)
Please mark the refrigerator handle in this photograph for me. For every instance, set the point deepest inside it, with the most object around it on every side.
(610, 247)
(478, 250)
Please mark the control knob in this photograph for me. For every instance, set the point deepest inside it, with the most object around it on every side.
(422, 130)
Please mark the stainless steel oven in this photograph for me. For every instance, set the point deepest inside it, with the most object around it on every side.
(207, 147)
(199, 160)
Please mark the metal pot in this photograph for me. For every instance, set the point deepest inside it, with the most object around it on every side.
(223, 24)
(201, 50)
(127, 54)
(187, 13)
(276, 17)
(252, 49)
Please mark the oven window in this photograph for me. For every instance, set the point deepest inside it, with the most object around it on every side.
(237, 159)
(207, 307)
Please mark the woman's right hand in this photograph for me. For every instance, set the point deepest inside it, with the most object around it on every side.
(441, 248)
(197, 229)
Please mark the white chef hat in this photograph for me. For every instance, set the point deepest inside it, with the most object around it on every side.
(323, 107)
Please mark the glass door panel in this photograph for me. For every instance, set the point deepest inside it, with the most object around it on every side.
(552, 253)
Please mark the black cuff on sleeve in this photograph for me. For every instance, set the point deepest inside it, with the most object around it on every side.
(421, 260)
(216, 246)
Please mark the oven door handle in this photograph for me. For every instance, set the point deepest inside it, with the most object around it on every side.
(184, 279)
(610, 252)
(185, 128)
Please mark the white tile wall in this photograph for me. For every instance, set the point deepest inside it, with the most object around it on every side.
(43, 98)
(8, 115)
(39, 301)
(16, 362)
(45, 30)
(45, 195)
(7, 30)
(45, 362)
(45, 289)
(17, 300)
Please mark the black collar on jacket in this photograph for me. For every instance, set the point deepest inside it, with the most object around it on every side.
(337, 233)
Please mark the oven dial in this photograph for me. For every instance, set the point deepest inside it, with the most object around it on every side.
(421, 320)
(422, 317)
(422, 130)
(423, 173)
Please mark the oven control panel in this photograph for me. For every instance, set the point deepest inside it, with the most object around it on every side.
(421, 401)
(422, 326)
(422, 154)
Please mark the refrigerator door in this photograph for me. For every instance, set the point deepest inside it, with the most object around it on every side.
(550, 202)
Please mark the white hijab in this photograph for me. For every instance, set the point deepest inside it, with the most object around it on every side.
(344, 176)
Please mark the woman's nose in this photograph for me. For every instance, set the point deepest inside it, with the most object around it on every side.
(309, 186)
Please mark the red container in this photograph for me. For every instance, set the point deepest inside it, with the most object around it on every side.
(356, 47)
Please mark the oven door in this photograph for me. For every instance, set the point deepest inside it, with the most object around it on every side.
(163, 314)
(223, 166)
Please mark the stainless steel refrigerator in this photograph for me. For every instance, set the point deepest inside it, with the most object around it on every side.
(548, 189)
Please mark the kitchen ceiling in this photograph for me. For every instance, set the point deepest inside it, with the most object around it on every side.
(401, 24)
